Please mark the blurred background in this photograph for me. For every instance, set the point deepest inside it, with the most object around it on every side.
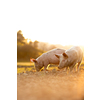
(26, 48)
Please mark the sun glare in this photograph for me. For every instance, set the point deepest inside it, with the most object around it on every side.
(51, 40)
(28, 40)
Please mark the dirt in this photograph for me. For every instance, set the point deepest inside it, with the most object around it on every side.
(52, 85)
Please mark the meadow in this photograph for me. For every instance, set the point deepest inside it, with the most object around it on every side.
(55, 84)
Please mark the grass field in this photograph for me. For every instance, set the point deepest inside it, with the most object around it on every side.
(29, 64)
(25, 64)
(23, 67)
(53, 85)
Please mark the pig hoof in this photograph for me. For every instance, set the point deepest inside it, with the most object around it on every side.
(47, 70)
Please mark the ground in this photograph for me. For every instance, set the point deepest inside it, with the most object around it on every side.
(52, 85)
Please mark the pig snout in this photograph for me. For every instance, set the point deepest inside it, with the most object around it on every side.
(59, 67)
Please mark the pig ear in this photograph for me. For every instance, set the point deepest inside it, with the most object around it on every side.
(57, 55)
(65, 55)
(34, 60)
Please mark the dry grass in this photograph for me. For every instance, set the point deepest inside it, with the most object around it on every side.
(52, 85)
(25, 64)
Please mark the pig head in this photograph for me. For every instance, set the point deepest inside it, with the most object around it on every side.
(38, 65)
(63, 60)
(70, 57)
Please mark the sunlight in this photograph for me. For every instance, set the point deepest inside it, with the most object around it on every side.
(54, 36)
(55, 26)
(67, 40)
(28, 40)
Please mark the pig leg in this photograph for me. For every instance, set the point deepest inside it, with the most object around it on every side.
(67, 69)
(75, 67)
(78, 66)
(71, 67)
(45, 66)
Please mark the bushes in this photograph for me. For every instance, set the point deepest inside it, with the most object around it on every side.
(25, 52)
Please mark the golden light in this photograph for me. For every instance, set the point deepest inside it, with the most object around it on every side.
(28, 40)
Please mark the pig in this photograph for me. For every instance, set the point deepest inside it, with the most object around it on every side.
(70, 57)
(47, 58)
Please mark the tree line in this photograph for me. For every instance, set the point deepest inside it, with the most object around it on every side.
(27, 50)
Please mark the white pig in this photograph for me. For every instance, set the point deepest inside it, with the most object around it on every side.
(70, 57)
(47, 58)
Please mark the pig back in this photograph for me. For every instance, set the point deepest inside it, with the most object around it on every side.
(50, 55)
(74, 54)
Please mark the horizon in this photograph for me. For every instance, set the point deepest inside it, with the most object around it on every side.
(32, 37)
(55, 23)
